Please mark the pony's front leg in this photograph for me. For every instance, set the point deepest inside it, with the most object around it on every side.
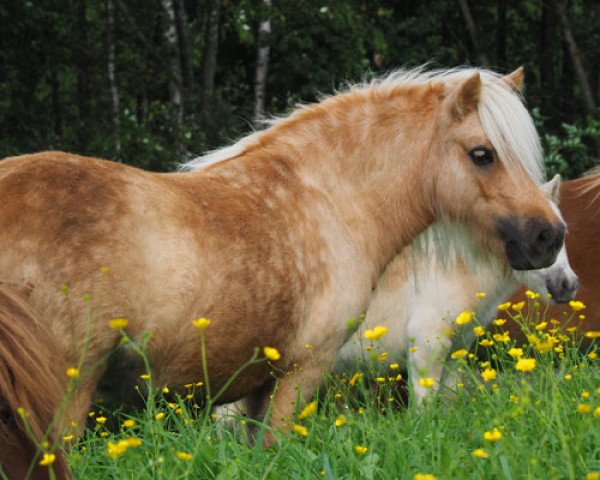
(298, 385)
(293, 389)
(431, 338)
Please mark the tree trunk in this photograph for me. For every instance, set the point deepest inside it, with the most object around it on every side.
(466, 11)
(83, 78)
(56, 105)
(209, 64)
(262, 63)
(547, 55)
(501, 10)
(112, 80)
(175, 80)
(185, 51)
(575, 54)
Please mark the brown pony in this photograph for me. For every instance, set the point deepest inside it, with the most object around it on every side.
(32, 386)
(580, 206)
(278, 239)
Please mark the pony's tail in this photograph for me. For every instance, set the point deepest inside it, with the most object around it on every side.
(32, 380)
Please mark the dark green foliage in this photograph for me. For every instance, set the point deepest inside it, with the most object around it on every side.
(55, 92)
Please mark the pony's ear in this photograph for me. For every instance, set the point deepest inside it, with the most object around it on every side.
(552, 188)
(465, 97)
(515, 80)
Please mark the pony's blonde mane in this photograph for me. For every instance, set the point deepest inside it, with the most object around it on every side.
(503, 116)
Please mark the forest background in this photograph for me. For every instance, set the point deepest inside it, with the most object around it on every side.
(154, 82)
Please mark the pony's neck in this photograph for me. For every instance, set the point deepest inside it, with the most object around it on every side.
(364, 150)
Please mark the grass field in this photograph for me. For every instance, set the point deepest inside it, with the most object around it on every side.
(533, 414)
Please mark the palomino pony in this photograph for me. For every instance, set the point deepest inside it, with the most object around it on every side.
(580, 205)
(278, 240)
(418, 300)
(32, 385)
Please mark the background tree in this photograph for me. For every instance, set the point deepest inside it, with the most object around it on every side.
(152, 82)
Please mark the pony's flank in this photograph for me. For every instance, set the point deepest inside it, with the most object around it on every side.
(503, 116)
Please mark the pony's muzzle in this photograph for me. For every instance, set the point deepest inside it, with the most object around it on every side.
(530, 243)
(563, 287)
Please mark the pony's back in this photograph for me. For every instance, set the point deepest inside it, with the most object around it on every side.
(32, 385)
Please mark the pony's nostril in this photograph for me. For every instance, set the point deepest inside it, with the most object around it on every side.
(575, 285)
(543, 237)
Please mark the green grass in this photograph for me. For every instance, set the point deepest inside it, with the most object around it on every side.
(543, 434)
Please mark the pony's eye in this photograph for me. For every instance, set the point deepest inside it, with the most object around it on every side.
(481, 155)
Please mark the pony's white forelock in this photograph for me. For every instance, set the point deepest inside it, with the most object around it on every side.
(503, 116)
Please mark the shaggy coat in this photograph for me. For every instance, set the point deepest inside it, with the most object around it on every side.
(279, 240)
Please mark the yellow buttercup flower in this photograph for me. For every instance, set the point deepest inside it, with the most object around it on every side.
(486, 342)
(271, 353)
(355, 378)
(133, 442)
(525, 364)
(101, 420)
(504, 306)
(382, 356)
(377, 333)
(489, 374)
(185, 456)
(300, 430)
(458, 354)
(597, 412)
(517, 307)
(464, 318)
(501, 337)
(47, 459)
(118, 323)
(395, 366)
(480, 295)
(592, 476)
(493, 435)
(426, 382)
(129, 423)
(576, 305)
(592, 355)
(424, 476)
(584, 408)
(515, 352)
(201, 323)
(480, 453)
(340, 421)
(308, 410)
(72, 372)
(499, 322)
(115, 450)
(541, 326)
(593, 334)
(361, 450)
(159, 415)
(68, 438)
(479, 331)
(531, 295)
